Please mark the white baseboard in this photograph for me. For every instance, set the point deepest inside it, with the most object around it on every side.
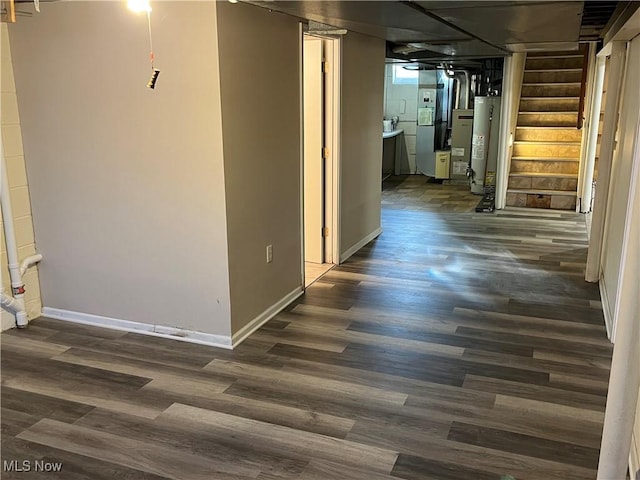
(360, 244)
(173, 333)
(606, 311)
(241, 335)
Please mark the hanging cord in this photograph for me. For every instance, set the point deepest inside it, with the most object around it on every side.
(154, 71)
(151, 55)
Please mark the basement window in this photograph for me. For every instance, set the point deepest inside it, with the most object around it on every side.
(404, 76)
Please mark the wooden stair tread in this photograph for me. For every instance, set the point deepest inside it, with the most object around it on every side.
(545, 70)
(546, 57)
(554, 112)
(543, 175)
(546, 142)
(549, 98)
(550, 133)
(544, 127)
(546, 159)
(536, 191)
(550, 84)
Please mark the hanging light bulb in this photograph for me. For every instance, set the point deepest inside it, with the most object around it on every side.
(139, 6)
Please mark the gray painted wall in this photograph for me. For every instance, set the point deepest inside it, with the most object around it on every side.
(127, 184)
(157, 206)
(361, 157)
(260, 85)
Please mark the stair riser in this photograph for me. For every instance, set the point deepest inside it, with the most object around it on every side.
(549, 105)
(556, 202)
(555, 53)
(548, 151)
(553, 76)
(550, 63)
(543, 166)
(566, 135)
(547, 175)
(543, 183)
(550, 90)
(542, 120)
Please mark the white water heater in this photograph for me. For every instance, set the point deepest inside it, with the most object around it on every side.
(484, 143)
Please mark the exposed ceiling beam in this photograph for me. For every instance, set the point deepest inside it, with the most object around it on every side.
(432, 15)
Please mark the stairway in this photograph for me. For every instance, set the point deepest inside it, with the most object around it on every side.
(546, 148)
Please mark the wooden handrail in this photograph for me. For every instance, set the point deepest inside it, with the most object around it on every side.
(583, 84)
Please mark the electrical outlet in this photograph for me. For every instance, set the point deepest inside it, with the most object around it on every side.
(269, 253)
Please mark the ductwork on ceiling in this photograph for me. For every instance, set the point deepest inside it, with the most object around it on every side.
(317, 28)
(460, 32)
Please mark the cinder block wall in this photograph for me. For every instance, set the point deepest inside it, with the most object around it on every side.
(14, 155)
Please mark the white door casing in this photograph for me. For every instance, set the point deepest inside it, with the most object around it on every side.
(313, 150)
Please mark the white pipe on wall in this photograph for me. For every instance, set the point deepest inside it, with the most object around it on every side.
(16, 303)
(11, 304)
(29, 262)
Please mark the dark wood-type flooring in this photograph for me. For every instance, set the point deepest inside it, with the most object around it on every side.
(456, 346)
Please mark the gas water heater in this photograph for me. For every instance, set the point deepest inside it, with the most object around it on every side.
(484, 143)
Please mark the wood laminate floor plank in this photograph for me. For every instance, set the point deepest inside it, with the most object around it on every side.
(309, 383)
(325, 470)
(536, 392)
(412, 467)
(144, 456)
(343, 407)
(43, 406)
(457, 345)
(572, 364)
(12, 422)
(524, 444)
(32, 346)
(467, 456)
(74, 466)
(291, 441)
(216, 446)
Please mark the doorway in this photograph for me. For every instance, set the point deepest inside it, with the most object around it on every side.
(320, 155)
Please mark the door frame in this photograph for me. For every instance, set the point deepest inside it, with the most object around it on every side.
(314, 147)
(332, 50)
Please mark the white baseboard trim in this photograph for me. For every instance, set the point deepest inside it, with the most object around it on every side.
(360, 244)
(242, 334)
(173, 333)
(606, 311)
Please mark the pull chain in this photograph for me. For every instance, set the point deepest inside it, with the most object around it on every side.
(154, 71)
